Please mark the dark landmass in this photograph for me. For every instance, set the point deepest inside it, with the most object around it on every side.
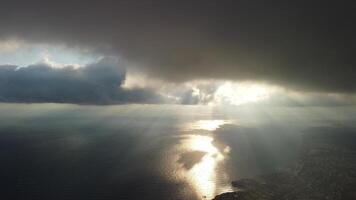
(326, 169)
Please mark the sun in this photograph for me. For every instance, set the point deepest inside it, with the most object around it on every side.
(240, 93)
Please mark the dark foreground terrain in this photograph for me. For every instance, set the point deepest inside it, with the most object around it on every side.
(326, 169)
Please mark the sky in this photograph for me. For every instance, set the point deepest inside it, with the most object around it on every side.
(294, 53)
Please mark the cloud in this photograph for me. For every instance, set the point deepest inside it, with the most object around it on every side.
(96, 83)
(8, 46)
(251, 93)
(302, 45)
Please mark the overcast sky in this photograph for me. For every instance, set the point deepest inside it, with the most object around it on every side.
(301, 46)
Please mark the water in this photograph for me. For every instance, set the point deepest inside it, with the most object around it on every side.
(59, 151)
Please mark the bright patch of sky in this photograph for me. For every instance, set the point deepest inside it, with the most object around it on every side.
(23, 54)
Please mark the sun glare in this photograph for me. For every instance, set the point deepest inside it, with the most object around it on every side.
(240, 93)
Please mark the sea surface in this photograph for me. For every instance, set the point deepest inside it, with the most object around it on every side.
(62, 151)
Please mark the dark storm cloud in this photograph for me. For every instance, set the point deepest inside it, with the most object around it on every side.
(299, 44)
(97, 83)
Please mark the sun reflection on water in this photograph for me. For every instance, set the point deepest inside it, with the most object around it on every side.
(203, 176)
(208, 125)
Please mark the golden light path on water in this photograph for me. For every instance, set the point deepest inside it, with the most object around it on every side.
(203, 175)
(208, 125)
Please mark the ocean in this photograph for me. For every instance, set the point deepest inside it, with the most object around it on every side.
(63, 151)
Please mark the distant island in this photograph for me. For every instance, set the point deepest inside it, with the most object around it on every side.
(326, 169)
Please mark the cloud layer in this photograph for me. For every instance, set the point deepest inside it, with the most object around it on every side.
(96, 83)
(303, 45)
